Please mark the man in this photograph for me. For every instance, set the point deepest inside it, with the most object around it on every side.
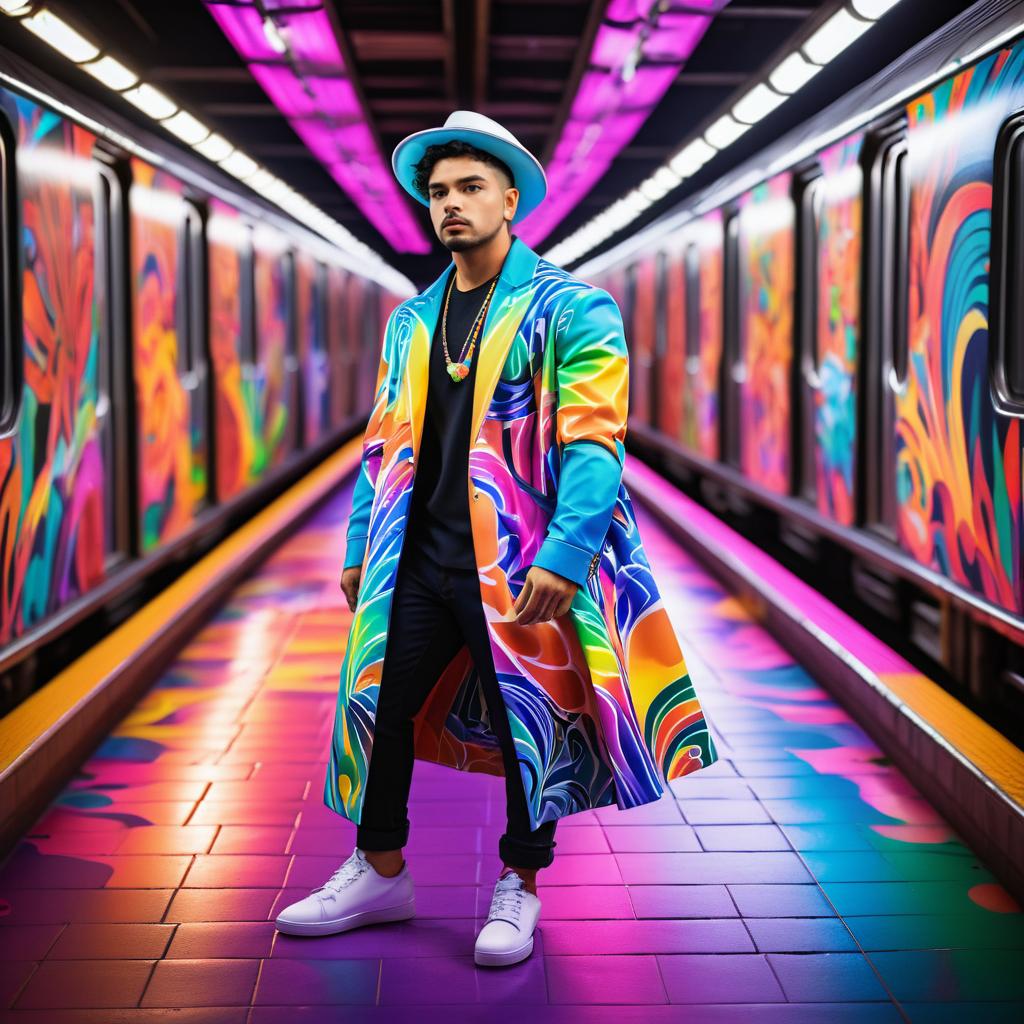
(505, 618)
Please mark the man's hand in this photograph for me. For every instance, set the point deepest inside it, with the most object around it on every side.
(545, 594)
(350, 584)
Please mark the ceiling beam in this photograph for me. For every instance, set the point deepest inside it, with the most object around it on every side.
(199, 74)
(266, 109)
(742, 11)
(482, 33)
(710, 78)
(374, 44)
(522, 84)
(405, 125)
(523, 47)
(511, 109)
(413, 83)
(451, 57)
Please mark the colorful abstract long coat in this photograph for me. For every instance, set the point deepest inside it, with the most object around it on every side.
(599, 700)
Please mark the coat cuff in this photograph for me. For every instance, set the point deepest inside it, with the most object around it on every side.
(565, 559)
(355, 548)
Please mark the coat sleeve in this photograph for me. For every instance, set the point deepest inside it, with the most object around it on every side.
(592, 369)
(369, 465)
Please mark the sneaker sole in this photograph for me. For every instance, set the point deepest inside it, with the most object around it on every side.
(512, 956)
(379, 915)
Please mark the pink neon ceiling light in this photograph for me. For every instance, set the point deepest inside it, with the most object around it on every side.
(635, 57)
(310, 87)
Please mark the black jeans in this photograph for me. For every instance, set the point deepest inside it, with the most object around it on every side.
(436, 609)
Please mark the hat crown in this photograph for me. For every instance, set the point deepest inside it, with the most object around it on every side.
(481, 123)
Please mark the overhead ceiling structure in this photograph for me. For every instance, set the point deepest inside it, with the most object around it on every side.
(318, 93)
(637, 53)
(291, 49)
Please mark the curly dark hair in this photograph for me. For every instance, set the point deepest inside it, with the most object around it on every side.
(454, 148)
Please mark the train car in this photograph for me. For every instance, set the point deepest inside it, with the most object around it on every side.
(827, 344)
(175, 351)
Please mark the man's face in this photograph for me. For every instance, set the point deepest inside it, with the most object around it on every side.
(469, 202)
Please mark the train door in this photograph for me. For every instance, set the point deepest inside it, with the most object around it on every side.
(232, 358)
(370, 338)
(766, 285)
(337, 347)
(1006, 350)
(830, 329)
(275, 406)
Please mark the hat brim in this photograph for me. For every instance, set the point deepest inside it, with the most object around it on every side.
(526, 169)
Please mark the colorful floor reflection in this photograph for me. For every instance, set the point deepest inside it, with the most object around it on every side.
(799, 879)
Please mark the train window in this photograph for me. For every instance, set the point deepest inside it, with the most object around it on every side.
(660, 335)
(900, 305)
(1008, 263)
(247, 301)
(884, 352)
(10, 336)
(191, 299)
(291, 334)
(320, 307)
(628, 303)
(371, 324)
(691, 269)
(809, 203)
(112, 320)
(732, 364)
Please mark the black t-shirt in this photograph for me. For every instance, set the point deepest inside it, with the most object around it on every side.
(439, 513)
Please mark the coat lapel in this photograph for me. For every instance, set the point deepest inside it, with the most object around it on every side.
(504, 315)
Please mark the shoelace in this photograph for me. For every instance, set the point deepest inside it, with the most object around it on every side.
(345, 875)
(507, 899)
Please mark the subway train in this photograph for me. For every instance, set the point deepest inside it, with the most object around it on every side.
(827, 346)
(175, 350)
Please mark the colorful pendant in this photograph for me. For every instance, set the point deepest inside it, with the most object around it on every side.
(457, 371)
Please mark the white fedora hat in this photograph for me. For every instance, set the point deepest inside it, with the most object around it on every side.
(486, 134)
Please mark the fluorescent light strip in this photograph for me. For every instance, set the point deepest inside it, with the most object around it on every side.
(712, 197)
(67, 41)
(788, 76)
(61, 36)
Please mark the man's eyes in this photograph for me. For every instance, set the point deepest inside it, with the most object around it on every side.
(438, 193)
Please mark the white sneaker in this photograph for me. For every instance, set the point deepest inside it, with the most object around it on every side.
(356, 894)
(507, 937)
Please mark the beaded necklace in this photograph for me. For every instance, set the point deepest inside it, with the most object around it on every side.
(457, 371)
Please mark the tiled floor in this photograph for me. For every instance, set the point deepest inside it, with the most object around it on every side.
(799, 879)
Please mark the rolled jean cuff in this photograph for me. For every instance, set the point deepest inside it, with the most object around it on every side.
(518, 853)
(382, 839)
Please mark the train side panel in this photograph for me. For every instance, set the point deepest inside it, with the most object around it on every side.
(239, 448)
(172, 456)
(837, 331)
(958, 459)
(54, 536)
(766, 287)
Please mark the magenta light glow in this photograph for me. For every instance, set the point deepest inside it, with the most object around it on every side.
(310, 87)
(616, 95)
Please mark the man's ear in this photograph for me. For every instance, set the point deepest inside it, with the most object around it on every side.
(515, 203)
